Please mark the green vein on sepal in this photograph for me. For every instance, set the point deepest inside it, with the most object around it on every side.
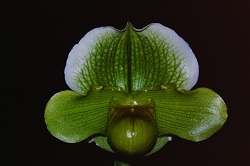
(131, 59)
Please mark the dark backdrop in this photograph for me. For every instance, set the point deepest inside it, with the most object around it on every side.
(36, 38)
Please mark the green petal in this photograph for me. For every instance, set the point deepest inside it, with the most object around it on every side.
(71, 117)
(102, 142)
(194, 115)
(161, 141)
(131, 59)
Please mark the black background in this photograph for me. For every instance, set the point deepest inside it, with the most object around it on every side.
(36, 38)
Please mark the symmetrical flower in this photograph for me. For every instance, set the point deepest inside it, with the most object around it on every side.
(131, 92)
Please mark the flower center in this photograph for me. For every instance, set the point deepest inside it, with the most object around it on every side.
(132, 130)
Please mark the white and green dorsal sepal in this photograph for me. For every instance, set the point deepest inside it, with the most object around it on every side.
(131, 59)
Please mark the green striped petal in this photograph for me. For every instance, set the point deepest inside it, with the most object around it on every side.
(193, 115)
(71, 117)
(131, 59)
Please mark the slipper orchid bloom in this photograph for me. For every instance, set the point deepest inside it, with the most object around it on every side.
(131, 92)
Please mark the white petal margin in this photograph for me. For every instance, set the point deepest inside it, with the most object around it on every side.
(189, 64)
(79, 54)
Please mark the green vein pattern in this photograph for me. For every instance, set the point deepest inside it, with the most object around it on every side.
(131, 59)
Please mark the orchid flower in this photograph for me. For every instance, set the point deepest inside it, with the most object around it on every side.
(131, 91)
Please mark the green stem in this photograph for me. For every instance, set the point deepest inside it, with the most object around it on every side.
(120, 163)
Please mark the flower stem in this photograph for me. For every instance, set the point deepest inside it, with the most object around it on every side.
(120, 163)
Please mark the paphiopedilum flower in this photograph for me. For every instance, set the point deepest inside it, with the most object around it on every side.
(131, 92)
